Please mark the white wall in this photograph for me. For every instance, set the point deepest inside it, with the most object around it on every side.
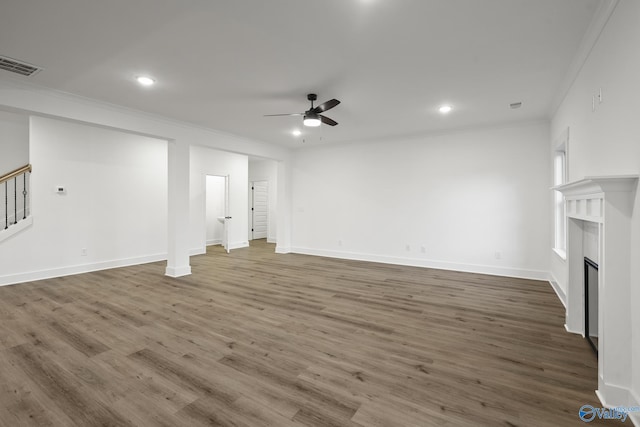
(607, 141)
(460, 196)
(267, 170)
(206, 161)
(14, 141)
(115, 205)
(35, 100)
(215, 201)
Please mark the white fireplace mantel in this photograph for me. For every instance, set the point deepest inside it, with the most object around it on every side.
(607, 201)
(598, 185)
(584, 199)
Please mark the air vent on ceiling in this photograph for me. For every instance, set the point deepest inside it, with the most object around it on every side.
(18, 67)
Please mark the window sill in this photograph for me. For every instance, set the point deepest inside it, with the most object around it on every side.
(561, 253)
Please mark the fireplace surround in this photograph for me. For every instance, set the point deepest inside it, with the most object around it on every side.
(606, 202)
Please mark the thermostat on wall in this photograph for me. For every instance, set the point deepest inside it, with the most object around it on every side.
(61, 189)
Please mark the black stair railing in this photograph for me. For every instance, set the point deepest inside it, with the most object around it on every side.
(17, 175)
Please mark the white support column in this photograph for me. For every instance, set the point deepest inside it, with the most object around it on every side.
(283, 229)
(178, 213)
(616, 298)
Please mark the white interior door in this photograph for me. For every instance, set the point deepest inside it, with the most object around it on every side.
(259, 209)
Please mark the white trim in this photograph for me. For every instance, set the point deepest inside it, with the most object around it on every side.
(596, 185)
(78, 269)
(198, 251)
(562, 296)
(238, 245)
(612, 396)
(561, 253)
(212, 242)
(283, 249)
(591, 36)
(203, 250)
(16, 228)
(178, 271)
(441, 265)
(271, 240)
(571, 331)
(634, 400)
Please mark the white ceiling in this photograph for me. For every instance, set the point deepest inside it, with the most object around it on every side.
(224, 64)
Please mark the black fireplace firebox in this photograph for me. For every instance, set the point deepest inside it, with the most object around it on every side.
(591, 303)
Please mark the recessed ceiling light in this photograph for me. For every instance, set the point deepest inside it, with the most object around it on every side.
(145, 80)
(296, 132)
(445, 109)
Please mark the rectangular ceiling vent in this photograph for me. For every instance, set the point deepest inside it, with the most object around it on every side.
(18, 67)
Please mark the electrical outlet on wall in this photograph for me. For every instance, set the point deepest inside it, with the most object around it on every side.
(408, 247)
(423, 249)
(83, 252)
(498, 255)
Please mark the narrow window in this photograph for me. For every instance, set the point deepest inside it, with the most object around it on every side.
(559, 178)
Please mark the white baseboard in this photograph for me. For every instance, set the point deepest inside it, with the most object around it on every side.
(238, 245)
(562, 296)
(634, 401)
(571, 331)
(271, 240)
(612, 396)
(232, 246)
(283, 249)
(178, 271)
(214, 242)
(78, 269)
(197, 251)
(441, 265)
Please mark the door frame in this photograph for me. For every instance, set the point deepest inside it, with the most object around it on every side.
(250, 207)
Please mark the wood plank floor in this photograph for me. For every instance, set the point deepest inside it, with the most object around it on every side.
(258, 339)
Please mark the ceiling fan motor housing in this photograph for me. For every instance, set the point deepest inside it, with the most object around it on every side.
(313, 116)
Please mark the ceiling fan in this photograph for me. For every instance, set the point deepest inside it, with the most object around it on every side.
(312, 116)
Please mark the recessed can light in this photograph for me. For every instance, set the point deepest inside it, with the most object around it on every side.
(145, 80)
(296, 132)
(445, 109)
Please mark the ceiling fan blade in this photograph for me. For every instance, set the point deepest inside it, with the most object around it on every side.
(327, 120)
(326, 106)
(292, 114)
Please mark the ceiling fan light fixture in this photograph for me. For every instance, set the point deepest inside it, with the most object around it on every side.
(311, 120)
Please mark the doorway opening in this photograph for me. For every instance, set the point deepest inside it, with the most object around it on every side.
(217, 211)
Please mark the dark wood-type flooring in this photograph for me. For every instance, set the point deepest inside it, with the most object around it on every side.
(259, 339)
